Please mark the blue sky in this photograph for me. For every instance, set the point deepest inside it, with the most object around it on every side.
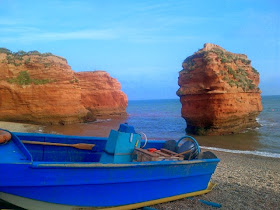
(143, 43)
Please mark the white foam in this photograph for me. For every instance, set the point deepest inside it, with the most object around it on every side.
(258, 153)
(267, 123)
(102, 120)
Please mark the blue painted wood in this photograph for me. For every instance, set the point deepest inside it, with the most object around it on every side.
(14, 151)
(104, 186)
(66, 154)
(70, 176)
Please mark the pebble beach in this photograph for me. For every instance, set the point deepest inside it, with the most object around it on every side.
(242, 182)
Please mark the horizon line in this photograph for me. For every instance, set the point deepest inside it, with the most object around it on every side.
(158, 99)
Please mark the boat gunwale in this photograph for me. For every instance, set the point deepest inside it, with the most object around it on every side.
(36, 164)
(60, 136)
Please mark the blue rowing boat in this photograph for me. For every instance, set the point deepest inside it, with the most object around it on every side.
(47, 171)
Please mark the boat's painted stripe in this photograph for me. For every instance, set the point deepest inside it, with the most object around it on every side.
(162, 200)
(35, 204)
(135, 164)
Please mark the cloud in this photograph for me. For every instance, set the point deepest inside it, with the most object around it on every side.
(24, 35)
(137, 35)
(83, 34)
(143, 22)
(8, 21)
(17, 29)
(163, 39)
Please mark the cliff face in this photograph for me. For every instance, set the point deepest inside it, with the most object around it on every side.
(42, 88)
(219, 92)
(101, 94)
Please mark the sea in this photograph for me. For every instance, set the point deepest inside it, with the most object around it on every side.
(161, 120)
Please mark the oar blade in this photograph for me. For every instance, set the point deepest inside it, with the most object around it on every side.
(83, 146)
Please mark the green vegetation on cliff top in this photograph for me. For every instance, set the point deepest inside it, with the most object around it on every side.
(24, 79)
(16, 57)
(238, 78)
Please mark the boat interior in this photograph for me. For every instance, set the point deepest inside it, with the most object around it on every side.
(124, 145)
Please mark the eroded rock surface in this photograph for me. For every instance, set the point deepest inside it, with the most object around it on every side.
(42, 88)
(101, 94)
(219, 92)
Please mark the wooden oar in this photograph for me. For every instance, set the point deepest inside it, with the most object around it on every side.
(182, 153)
(77, 146)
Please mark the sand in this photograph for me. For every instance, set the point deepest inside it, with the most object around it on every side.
(20, 127)
(243, 182)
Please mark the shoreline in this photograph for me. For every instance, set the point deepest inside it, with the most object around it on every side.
(244, 152)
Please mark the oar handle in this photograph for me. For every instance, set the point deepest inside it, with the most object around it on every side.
(78, 146)
(45, 143)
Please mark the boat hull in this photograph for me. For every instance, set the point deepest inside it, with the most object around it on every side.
(35, 204)
(72, 178)
(105, 185)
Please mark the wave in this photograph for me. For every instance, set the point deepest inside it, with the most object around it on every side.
(258, 153)
(266, 123)
(102, 120)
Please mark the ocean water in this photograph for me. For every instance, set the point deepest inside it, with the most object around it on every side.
(161, 119)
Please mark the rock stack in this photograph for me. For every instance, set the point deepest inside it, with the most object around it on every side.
(219, 92)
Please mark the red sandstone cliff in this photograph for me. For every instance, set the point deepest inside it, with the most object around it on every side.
(219, 92)
(101, 94)
(42, 88)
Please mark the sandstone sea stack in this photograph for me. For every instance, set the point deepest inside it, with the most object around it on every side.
(219, 92)
(42, 88)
